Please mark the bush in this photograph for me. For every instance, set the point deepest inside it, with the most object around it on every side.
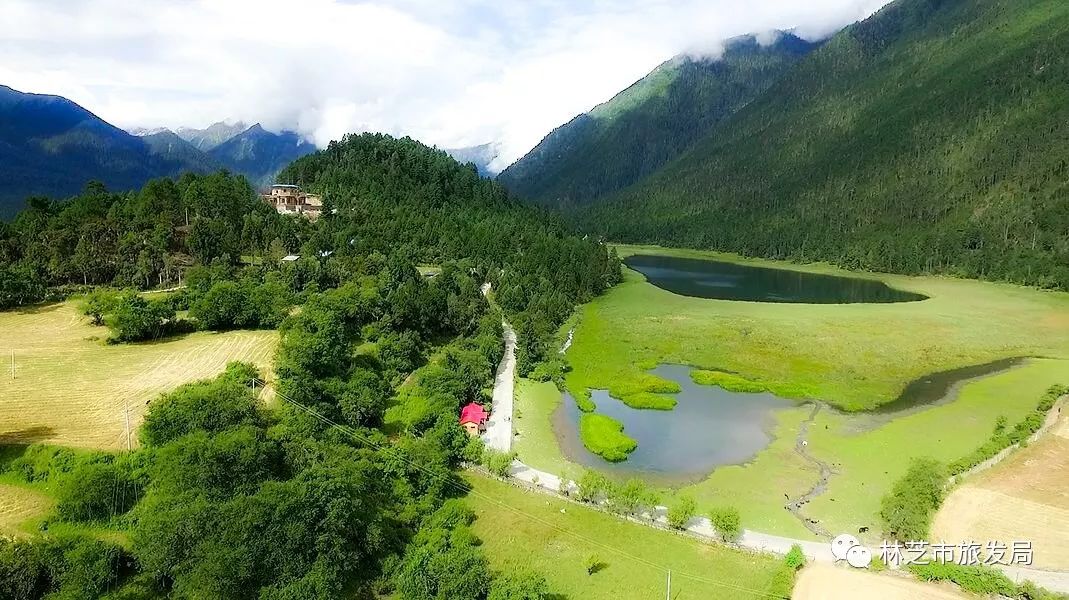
(795, 559)
(631, 497)
(907, 509)
(976, 579)
(136, 318)
(40, 462)
(99, 303)
(593, 564)
(212, 405)
(681, 512)
(523, 585)
(592, 485)
(727, 522)
(497, 462)
(96, 492)
(603, 435)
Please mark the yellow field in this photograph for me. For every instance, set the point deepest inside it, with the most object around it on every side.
(1025, 497)
(17, 505)
(820, 581)
(71, 388)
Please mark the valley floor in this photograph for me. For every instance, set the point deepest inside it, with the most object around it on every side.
(851, 355)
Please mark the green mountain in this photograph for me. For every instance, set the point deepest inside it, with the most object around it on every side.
(650, 123)
(171, 147)
(260, 154)
(932, 137)
(52, 146)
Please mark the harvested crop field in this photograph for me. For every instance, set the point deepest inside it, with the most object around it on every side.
(71, 388)
(820, 581)
(1025, 497)
(17, 505)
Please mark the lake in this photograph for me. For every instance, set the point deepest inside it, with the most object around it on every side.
(708, 428)
(729, 281)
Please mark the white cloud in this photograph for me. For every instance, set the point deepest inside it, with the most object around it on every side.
(448, 73)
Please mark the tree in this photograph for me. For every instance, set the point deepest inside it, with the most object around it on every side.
(522, 585)
(727, 522)
(135, 318)
(593, 564)
(99, 303)
(631, 497)
(681, 512)
(909, 506)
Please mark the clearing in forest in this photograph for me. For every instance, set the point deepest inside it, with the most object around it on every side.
(71, 388)
(18, 505)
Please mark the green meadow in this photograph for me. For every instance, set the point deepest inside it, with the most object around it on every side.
(558, 537)
(854, 357)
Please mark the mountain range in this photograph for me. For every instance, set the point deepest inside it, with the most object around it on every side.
(651, 122)
(51, 146)
(932, 137)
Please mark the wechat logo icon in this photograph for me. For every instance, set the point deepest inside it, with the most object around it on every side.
(847, 547)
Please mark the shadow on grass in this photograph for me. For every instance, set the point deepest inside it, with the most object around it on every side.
(21, 438)
(38, 309)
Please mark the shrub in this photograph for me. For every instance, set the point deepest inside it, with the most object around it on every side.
(593, 564)
(212, 405)
(727, 522)
(795, 559)
(497, 462)
(40, 462)
(681, 512)
(592, 485)
(603, 435)
(523, 585)
(473, 451)
(975, 579)
(96, 492)
(99, 303)
(907, 509)
(136, 318)
(630, 497)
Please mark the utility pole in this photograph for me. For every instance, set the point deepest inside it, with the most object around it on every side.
(12, 364)
(668, 596)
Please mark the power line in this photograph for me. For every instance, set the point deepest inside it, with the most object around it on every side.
(460, 487)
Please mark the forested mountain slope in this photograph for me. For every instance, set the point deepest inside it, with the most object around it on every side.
(52, 146)
(932, 137)
(650, 123)
(398, 196)
(260, 154)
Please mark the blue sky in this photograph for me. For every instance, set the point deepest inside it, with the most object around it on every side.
(451, 73)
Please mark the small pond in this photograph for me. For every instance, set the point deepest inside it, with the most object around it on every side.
(708, 428)
(729, 281)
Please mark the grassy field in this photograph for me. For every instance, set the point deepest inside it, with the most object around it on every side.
(557, 537)
(1025, 497)
(855, 356)
(71, 388)
(850, 355)
(18, 505)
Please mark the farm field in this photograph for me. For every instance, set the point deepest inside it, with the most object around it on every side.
(71, 388)
(1024, 497)
(854, 356)
(19, 504)
(821, 581)
(510, 518)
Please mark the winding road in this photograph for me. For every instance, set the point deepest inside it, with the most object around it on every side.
(499, 437)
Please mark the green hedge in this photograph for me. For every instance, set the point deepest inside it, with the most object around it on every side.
(1002, 439)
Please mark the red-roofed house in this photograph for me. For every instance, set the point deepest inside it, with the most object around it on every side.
(472, 418)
